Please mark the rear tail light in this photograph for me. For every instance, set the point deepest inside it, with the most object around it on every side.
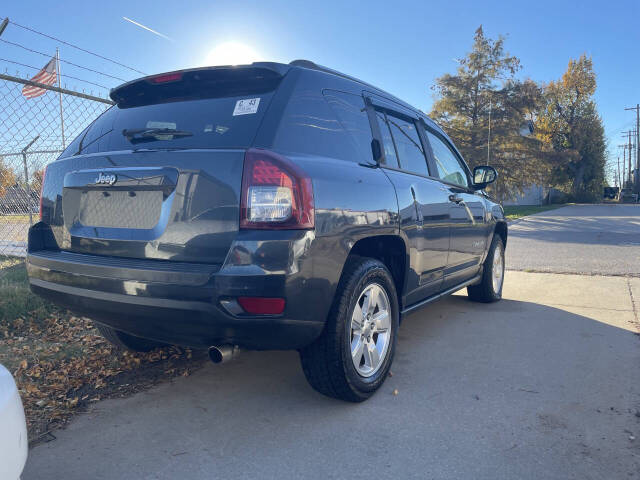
(44, 175)
(276, 194)
(262, 305)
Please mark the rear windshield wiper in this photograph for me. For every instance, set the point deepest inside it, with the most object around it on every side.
(150, 134)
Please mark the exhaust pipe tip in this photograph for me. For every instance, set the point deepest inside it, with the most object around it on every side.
(222, 353)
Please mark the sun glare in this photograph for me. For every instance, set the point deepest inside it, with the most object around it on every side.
(232, 53)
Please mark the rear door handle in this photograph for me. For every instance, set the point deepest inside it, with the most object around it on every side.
(455, 199)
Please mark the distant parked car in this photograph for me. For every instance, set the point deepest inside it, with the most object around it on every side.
(14, 442)
(627, 196)
(611, 192)
(265, 206)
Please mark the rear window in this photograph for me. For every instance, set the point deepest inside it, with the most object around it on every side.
(229, 122)
(211, 109)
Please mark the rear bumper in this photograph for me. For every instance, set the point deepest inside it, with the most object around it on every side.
(176, 303)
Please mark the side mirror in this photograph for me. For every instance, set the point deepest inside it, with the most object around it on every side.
(483, 175)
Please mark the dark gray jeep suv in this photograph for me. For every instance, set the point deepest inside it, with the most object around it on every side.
(265, 206)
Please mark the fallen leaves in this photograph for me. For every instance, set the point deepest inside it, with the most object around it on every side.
(62, 365)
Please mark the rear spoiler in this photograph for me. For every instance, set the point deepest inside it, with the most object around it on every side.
(195, 83)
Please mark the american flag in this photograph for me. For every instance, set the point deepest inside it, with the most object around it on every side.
(47, 76)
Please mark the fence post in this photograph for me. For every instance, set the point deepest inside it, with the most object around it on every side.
(26, 177)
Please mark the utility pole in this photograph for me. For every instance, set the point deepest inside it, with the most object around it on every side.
(630, 168)
(637, 109)
(628, 135)
(624, 159)
(618, 177)
(636, 182)
(634, 171)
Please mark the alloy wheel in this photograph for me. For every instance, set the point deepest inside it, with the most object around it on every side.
(370, 330)
(497, 270)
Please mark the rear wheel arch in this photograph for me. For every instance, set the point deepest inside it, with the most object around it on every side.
(391, 250)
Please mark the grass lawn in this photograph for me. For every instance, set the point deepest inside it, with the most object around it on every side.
(60, 362)
(18, 218)
(516, 211)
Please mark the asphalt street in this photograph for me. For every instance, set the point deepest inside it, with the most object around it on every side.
(590, 239)
(544, 384)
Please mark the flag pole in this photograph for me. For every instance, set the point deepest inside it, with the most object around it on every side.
(60, 97)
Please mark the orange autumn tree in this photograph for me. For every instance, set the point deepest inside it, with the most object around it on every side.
(572, 132)
(7, 177)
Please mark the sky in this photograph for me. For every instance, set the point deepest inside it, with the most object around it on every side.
(400, 46)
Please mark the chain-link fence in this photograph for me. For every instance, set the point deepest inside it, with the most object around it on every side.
(33, 132)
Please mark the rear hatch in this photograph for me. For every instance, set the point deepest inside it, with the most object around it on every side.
(158, 176)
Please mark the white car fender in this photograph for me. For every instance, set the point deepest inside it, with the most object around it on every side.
(14, 443)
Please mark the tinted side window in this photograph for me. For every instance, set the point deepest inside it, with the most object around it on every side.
(310, 126)
(449, 167)
(390, 156)
(408, 145)
(95, 136)
(351, 113)
(74, 147)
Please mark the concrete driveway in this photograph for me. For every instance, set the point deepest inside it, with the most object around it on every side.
(544, 384)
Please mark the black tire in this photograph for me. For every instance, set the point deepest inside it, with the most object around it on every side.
(125, 341)
(327, 362)
(484, 291)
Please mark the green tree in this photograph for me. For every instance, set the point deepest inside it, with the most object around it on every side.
(572, 132)
(484, 100)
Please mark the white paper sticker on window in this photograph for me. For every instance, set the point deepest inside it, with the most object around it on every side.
(246, 106)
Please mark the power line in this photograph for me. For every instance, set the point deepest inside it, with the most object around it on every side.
(63, 61)
(65, 76)
(613, 131)
(76, 47)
